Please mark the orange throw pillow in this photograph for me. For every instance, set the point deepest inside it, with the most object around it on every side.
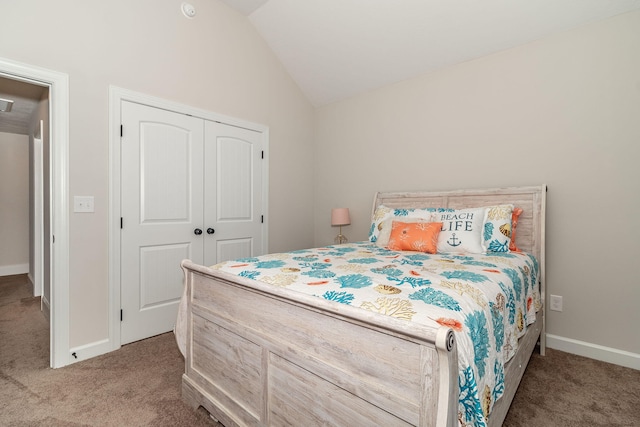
(514, 223)
(415, 236)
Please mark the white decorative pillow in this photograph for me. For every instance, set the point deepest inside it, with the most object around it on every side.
(384, 213)
(497, 228)
(387, 225)
(461, 230)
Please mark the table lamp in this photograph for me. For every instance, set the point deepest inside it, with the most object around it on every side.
(340, 217)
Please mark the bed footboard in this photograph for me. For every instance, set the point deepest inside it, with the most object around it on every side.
(261, 356)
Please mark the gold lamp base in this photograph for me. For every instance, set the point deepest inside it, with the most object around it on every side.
(340, 239)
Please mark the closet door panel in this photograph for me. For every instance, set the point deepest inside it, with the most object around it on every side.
(161, 206)
(233, 192)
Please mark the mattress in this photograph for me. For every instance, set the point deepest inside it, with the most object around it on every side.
(487, 299)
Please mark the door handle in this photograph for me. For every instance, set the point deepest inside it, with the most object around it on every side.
(197, 232)
(210, 230)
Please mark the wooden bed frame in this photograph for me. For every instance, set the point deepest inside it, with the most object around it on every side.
(259, 355)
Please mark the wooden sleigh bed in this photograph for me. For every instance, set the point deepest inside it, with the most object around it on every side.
(260, 355)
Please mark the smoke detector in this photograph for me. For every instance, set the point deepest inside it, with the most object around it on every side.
(188, 10)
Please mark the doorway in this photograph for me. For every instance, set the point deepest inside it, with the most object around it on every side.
(57, 206)
(24, 177)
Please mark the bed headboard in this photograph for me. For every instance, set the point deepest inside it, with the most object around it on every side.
(530, 235)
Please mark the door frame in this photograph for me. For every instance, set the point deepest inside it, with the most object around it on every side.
(37, 166)
(116, 96)
(58, 84)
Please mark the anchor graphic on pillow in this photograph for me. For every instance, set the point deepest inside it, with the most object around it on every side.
(453, 241)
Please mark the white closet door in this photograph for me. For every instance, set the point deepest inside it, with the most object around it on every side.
(162, 206)
(233, 193)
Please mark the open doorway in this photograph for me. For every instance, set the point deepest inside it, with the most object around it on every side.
(49, 123)
(24, 192)
(24, 166)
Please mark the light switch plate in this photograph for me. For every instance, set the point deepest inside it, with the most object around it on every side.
(83, 203)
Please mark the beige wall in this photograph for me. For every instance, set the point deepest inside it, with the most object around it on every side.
(215, 62)
(564, 111)
(14, 203)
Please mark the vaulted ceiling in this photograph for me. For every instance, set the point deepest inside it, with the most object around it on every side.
(335, 49)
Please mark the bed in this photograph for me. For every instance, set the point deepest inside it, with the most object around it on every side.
(262, 353)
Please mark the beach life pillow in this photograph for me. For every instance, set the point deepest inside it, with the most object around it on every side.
(498, 228)
(461, 230)
(414, 236)
(383, 213)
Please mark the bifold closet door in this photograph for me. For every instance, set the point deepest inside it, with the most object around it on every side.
(191, 188)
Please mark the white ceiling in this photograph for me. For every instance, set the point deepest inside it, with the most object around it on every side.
(335, 49)
(26, 97)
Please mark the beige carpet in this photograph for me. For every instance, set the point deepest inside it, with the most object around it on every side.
(139, 385)
(562, 389)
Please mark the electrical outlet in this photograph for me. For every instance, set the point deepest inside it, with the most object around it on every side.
(555, 302)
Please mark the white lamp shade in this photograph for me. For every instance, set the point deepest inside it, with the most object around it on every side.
(340, 216)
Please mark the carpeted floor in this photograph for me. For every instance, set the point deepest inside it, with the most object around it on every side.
(562, 389)
(139, 385)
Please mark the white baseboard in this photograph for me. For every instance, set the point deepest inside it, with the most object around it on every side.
(10, 270)
(594, 351)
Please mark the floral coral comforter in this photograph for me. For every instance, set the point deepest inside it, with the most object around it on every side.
(487, 299)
